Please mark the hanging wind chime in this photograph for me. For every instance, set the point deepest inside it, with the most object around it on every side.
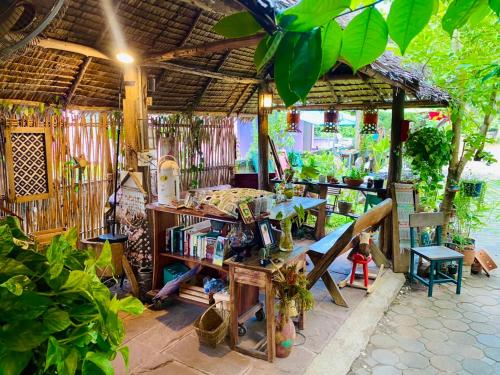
(293, 121)
(370, 121)
(331, 120)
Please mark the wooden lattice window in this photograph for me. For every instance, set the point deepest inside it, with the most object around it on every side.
(28, 156)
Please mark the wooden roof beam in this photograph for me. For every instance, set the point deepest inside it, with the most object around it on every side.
(81, 72)
(72, 47)
(201, 72)
(216, 6)
(364, 105)
(366, 80)
(207, 48)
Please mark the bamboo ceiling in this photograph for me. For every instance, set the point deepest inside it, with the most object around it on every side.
(154, 26)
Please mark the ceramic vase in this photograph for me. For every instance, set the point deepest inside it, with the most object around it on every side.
(285, 338)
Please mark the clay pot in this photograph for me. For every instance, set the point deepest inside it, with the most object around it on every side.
(353, 182)
(378, 183)
(285, 337)
(476, 267)
(332, 180)
(344, 207)
(469, 255)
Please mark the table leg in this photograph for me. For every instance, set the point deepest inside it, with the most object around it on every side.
(233, 324)
(459, 276)
(270, 322)
(431, 278)
(412, 266)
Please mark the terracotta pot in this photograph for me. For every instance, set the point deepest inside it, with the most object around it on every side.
(344, 207)
(285, 338)
(353, 182)
(469, 255)
(332, 180)
(475, 267)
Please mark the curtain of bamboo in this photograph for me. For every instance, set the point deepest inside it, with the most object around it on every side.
(80, 194)
(217, 141)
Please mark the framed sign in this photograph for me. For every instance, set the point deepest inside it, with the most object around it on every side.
(29, 163)
(246, 214)
(266, 233)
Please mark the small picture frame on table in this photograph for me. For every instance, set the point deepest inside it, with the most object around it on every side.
(266, 233)
(246, 213)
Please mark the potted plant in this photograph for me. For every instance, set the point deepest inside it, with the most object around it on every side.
(472, 187)
(354, 177)
(330, 176)
(286, 239)
(453, 186)
(56, 315)
(378, 181)
(290, 287)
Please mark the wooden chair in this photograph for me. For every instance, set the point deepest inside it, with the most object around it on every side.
(324, 252)
(335, 193)
(371, 200)
(432, 251)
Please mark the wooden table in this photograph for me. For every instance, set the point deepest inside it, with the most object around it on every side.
(249, 272)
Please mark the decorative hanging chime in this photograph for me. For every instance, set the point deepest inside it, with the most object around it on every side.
(370, 121)
(331, 119)
(293, 121)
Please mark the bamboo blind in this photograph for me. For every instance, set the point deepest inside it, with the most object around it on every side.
(176, 135)
(80, 194)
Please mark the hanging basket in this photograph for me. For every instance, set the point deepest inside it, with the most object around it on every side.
(370, 122)
(212, 326)
(331, 119)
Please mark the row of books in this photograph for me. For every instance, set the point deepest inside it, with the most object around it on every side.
(197, 241)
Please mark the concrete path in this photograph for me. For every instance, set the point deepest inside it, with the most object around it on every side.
(448, 333)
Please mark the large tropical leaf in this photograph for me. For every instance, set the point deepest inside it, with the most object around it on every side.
(237, 25)
(306, 63)
(364, 39)
(282, 66)
(331, 42)
(13, 363)
(313, 13)
(458, 14)
(479, 12)
(407, 18)
(495, 5)
(266, 49)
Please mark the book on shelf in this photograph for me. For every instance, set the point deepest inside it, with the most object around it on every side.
(209, 245)
(172, 238)
(203, 226)
(221, 246)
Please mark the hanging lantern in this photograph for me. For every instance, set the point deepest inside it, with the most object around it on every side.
(331, 119)
(370, 121)
(266, 99)
(293, 121)
(405, 129)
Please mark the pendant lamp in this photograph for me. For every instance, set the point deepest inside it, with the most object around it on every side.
(370, 122)
(293, 121)
(331, 119)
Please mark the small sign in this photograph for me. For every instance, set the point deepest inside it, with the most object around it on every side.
(246, 214)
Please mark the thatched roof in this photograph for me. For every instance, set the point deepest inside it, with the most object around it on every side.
(152, 26)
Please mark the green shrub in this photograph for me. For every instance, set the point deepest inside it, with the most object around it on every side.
(56, 316)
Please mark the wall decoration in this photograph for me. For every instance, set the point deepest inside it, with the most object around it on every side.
(28, 152)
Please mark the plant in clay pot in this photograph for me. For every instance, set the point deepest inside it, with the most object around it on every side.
(290, 287)
(286, 223)
(354, 177)
(472, 187)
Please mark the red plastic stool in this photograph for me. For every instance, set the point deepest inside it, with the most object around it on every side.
(360, 259)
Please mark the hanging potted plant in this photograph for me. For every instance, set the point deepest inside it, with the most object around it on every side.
(290, 287)
(472, 187)
(354, 177)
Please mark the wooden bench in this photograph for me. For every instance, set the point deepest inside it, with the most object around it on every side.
(324, 252)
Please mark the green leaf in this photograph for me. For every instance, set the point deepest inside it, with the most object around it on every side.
(6, 243)
(13, 363)
(16, 284)
(313, 13)
(71, 236)
(54, 353)
(457, 14)
(331, 42)
(479, 12)
(131, 305)
(306, 63)
(267, 49)
(282, 66)
(365, 38)
(125, 354)
(71, 361)
(495, 6)
(23, 335)
(237, 25)
(76, 280)
(101, 361)
(11, 267)
(55, 256)
(105, 256)
(407, 18)
(55, 320)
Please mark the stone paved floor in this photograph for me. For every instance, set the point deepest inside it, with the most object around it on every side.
(446, 333)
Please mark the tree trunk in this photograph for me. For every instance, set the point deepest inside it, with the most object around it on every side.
(488, 118)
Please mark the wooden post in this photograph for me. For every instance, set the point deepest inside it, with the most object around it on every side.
(395, 156)
(134, 109)
(263, 144)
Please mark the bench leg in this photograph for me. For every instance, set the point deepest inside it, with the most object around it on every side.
(459, 276)
(431, 278)
(330, 285)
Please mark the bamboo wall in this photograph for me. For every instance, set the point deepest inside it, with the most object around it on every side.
(79, 194)
(177, 135)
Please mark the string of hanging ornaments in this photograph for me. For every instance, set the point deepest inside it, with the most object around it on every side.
(331, 120)
(370, 122)
(293, 121)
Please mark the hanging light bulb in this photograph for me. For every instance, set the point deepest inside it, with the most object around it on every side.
(370, 122)
(293, 121)
(331, 119)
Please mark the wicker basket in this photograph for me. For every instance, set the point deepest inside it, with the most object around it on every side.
(212, 325)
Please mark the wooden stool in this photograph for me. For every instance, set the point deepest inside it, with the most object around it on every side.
(436, 255)
(360, 259)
